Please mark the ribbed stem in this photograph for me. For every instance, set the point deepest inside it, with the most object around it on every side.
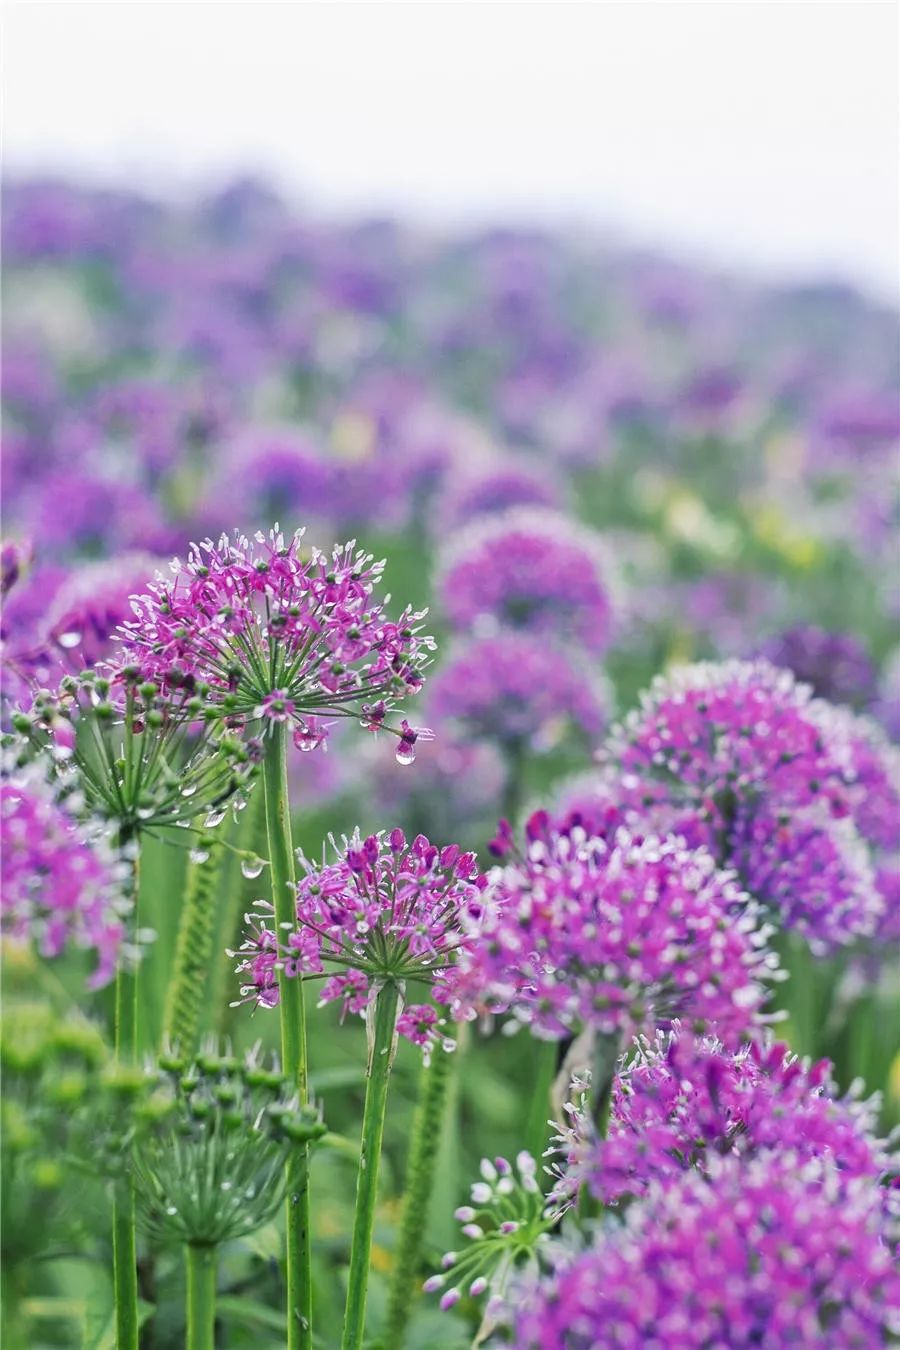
(423, 1156)
(378, 1073)
(250, 835)
(293, 1039)
(603, 1077)
(187, 990)
(544, 1067)
(124, 1241)
(200, 1265)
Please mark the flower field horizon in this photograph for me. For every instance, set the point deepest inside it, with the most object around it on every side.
(450, 787)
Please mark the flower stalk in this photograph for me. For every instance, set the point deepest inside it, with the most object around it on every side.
(293, 1039)
(381, 1053)
(193, 953)
(200, 1265)
(423, 1159)
(124, 1240)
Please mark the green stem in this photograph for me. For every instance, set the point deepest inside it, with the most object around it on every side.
(229, 911)
(544, 1067)
(187, 989)
(511, 805)
(124, 1242)
(200, 1263)
(378, 1073)
(603, 1076)
(423, 1158)
(293, 1039)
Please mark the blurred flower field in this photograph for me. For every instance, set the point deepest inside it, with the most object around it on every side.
(632, 666)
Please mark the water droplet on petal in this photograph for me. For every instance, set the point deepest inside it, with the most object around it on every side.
(405, 752)
(189, 790)
(213, 819)
(199, 855)
(69, 640)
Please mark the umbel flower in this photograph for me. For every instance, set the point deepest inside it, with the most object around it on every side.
(506, 1227)
(836, 665)
(210, 1151)
(61, 622)
(61, 1127)
(681, 1100)
(63, 885)
(142, 758)
(782, 787)
(386, 911)
(276, 635)
(584, 934)
(530, 569)
(519, 692)
(778, 1251)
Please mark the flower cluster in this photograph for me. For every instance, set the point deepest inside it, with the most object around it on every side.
(506, 1227)
(62, 883)
(517, 691)
(775, 1251)
(533, 570)
(144, 759)
(277, 635)
(835, 665)
(386, 910)
(61, 1126)
(739, 758)
(581, 933)
(681, 1100)
(59, 622)
(212, 1145)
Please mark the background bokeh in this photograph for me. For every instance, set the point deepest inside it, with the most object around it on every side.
(632, 266)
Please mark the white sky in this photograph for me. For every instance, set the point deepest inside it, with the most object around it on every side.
(764, 134)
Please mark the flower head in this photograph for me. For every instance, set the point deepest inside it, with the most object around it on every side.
(581, 933)
(782, 787)
(385, 910)
(210, 1154)
(257, 621)
(775, 1251)
(684, 1099)
(62, 884)
(143, 759)
(516, 690)
(835, 665)
(505, 1228)
(533, 570)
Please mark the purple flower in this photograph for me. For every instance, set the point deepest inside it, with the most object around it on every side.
(61, 883)
(385, 910)
(683, 1099)
(777, 1251)
(836, 665)
(515, 689)
(60, 622)
(492, 491)
(530, 570)
(741, 759)
(580, 934)
(266, 622)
